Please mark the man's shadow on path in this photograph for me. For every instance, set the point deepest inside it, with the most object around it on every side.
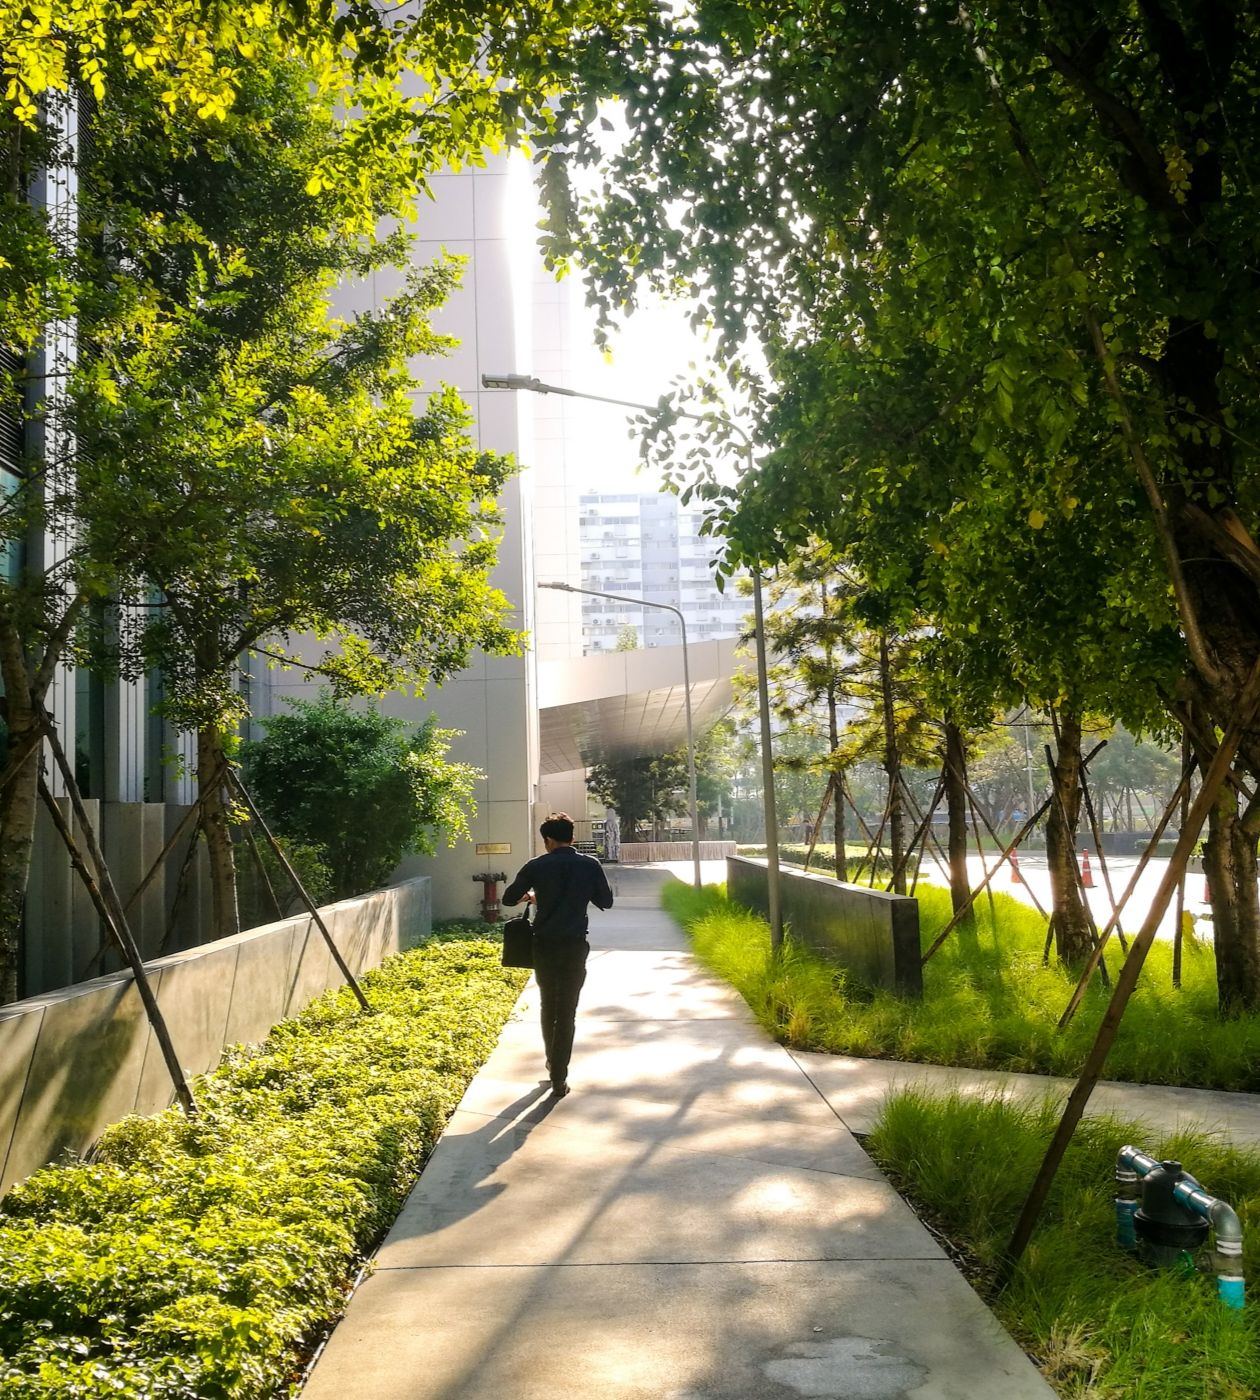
(454, 1183)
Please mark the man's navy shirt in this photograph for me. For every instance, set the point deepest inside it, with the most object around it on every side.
(564, 882)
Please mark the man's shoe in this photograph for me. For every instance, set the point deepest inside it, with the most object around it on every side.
(559, 1090)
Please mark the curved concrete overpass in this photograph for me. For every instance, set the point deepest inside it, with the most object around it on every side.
(629, 704)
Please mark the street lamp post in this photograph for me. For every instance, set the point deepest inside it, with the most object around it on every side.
(533, 385)
(691, 736)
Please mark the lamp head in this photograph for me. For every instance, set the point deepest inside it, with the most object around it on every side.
(514, 381)
(560, 587)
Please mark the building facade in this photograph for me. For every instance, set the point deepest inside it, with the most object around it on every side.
(650, 547)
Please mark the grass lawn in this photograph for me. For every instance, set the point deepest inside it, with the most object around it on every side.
(1099, 1323)
(988, 1001)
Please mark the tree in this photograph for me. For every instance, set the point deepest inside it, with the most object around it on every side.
(1127, 770)
(247, 462)
(1030, 272)
(811, 631)
(640, 790)
(359, 786)
(719, 752)
(428, 92)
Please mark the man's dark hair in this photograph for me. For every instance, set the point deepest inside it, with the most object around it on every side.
(557, 828)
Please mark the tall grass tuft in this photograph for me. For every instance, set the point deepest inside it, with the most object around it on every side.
(1100, 1324)
(988, 1000)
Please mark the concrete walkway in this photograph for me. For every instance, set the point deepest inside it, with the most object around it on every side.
(694, 1221)
(855, 1088)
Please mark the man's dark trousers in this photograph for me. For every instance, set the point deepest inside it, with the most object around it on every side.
(560, 971)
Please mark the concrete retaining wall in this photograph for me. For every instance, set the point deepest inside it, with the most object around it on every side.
(869, 933)
(646, 852)
(75, 1060)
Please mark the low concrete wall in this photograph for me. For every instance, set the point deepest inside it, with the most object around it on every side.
(869, 933)
(646, 852)
(77, 1059)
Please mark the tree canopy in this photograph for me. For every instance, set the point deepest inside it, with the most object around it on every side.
(184, 183)
(999, 262)
(359, 787)
(1002, 263)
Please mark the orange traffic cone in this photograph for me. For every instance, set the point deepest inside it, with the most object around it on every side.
(1087, 874)
(1016, 877)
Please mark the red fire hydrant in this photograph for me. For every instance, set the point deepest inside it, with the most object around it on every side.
(490, 895)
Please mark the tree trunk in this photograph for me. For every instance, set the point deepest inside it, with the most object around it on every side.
(892, 767)
(1072, 940)
(837, 792)
(1229, 863)
(224, 914)
(956, 807)
(17, 810)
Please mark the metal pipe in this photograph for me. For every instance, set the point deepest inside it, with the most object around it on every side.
(775, 907)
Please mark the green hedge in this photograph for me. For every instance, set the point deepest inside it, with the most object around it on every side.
(193, 1259)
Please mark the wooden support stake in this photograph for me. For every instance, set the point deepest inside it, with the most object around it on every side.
(17, 760)
(922, 832)
(1005, 856)
(873, 853)
(853, 807)
(1079, 994)
(1213, 780)
(988, 826)
(234, 781)
(1045, 952)
(822, 812)
(190, 816)
(193, 814)
(181, 882)
(262, 870)
(1178, 937)
(1094, 935)
(984, 864)
(979, 889)
(115, 917)
(1102, 857)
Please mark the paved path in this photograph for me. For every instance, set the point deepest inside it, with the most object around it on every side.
(855, 1088)
(694, 1221)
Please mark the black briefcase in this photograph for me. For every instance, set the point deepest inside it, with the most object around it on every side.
(518, 942)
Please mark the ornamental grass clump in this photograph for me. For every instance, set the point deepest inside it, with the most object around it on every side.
(989, 999)
(1100, 1324)
(192, 1259)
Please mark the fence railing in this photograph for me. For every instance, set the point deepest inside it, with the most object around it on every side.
(649, 852)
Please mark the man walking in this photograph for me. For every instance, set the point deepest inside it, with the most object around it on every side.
(563, 882)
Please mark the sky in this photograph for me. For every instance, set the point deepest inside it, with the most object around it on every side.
(649, 353)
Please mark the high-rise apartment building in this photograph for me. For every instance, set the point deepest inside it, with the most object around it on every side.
(649, 546)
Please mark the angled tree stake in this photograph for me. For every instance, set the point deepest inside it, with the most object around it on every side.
(105, 897)
(1213, 780)
(1114, 921)
(235, 783)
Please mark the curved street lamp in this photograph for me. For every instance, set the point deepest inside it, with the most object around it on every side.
(691, 737)
(530, 384)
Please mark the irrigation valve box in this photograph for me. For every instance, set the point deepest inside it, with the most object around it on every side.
(1167, 1231)
(1165, 1215)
